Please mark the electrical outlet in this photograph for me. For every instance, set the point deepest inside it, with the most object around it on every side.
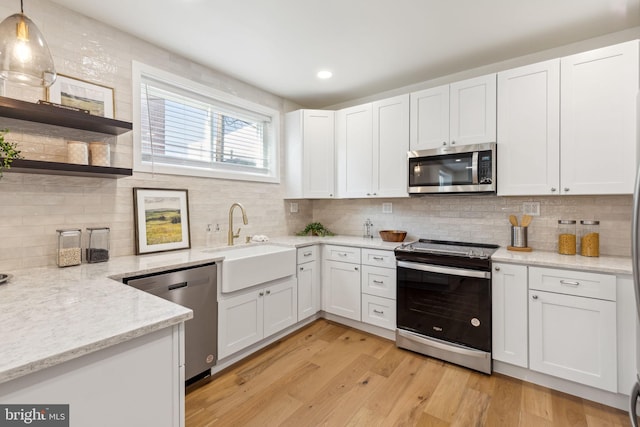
(531, 208)
(293, 207)
(387, 208)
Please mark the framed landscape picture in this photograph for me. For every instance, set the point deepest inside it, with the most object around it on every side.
(70, 92)
(161, 220)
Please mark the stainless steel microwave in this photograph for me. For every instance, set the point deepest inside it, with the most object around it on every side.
(461, 169)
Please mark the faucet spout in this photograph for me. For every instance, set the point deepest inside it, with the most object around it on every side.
(231, 235)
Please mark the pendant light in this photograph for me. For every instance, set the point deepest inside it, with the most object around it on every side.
(24, 54)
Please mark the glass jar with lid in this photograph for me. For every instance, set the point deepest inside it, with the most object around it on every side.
(98, 246)
(567, 236)
(69, 247)
(590, 238)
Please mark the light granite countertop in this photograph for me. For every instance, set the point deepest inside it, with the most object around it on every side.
(601, 264)
(51, 315)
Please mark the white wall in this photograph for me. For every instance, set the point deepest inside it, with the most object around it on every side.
(34, 206)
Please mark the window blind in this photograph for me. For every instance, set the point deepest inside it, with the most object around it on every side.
(184, 128)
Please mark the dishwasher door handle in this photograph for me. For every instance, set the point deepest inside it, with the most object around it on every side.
(177, 286)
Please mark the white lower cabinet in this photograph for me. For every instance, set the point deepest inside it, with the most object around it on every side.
(251, 316)
(379, 288)
(308, 282)
(341, 289)
(341, 281)
(379, 311)
(509, 314)
(572, 326)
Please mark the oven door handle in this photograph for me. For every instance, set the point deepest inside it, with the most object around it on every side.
(444, 270)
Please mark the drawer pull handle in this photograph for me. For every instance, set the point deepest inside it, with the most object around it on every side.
(379, 282)
(569, 282)
(378, 311)
(535, 297)
(343, 254)
(378, 258)
(301, 268)
(497, 268)
(307, 254)
(268, 292)
(356, 268)
(261, 294)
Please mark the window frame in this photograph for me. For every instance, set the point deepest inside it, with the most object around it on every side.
(225, 171)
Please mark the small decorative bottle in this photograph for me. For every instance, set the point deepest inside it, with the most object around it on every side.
(98, 248)
(69, 247)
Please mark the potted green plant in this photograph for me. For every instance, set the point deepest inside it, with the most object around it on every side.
(316, 229)
(8, 152)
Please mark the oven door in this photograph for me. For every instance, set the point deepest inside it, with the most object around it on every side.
(449, 304)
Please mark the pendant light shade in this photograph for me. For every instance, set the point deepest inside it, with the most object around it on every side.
(24, 54)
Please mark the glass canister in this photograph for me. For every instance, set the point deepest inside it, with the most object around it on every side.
(589, 238)
(69, 247)
(567, 236)
(98, 246)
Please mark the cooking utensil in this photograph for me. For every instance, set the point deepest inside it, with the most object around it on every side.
(526, 220)
(513, 220)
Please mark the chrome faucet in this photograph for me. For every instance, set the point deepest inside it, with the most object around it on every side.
(244, 220)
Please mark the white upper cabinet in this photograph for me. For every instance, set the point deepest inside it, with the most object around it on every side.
(372, 143)
(310, 154)
(529, 129)
(390, 147)
(457, 114)
(598, 139)
(568, 126)
(354, 136)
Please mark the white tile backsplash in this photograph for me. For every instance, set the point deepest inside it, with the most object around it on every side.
(34, 206)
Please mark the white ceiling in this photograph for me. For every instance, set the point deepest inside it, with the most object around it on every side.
(370, 45)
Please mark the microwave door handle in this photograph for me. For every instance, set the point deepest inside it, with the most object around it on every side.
(474, 168)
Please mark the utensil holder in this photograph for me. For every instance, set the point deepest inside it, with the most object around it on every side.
(518, 236)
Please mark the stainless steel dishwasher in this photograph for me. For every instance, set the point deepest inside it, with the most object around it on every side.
(194, 288)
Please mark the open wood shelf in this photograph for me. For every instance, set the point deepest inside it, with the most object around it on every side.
(56, 168)
(51, 115)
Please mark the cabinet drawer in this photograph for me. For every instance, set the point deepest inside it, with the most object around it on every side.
(342, 253)
(379, 311)
(307, 254)
(379, 281)
(578, 283)
(379, 258)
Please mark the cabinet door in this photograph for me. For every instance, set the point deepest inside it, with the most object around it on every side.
(529, 130)
(598, 120)
(429, 121)
(280, 306)
(318, 154)
(509, 314)
(308, 289)
(341, 289)
(241, 322)
(355, 151)
(573, 338)
(472, 116)
(390, 146)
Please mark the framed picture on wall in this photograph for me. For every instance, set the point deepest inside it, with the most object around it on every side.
(161, 220)
(71, 92)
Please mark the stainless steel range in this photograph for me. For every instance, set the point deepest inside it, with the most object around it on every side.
(444, 301)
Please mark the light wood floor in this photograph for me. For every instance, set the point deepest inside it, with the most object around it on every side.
(331, 375)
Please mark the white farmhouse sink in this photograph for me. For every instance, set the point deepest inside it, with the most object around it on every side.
(252, 265)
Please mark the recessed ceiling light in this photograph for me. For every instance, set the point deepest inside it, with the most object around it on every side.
(324, 74)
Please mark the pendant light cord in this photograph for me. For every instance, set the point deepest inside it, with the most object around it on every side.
(21, 7)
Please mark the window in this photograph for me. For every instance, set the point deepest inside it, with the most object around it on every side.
(182, 127)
